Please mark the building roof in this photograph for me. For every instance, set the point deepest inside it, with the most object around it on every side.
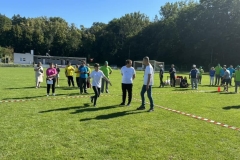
(40, 56)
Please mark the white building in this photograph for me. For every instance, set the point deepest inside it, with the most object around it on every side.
(23, 58)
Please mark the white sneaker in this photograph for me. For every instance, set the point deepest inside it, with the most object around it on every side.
(47, 95)
(53, 94)
(58, 85)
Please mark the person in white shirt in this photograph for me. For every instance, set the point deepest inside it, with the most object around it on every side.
(147, 86)
(97, 76)
(128, 75)
(39, 74)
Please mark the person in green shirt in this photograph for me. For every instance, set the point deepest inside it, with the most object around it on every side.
(237, 79)
(107, 70)
(201, 71)
(218, 69)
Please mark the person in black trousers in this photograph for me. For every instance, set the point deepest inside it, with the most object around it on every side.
(172, 73)
(161, 76)
(128, 75)
(83, 70)
(51, 73)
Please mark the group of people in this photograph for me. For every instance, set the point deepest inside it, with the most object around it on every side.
(223, 76)
(100, 78)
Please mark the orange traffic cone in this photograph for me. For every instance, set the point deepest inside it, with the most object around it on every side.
(219, 89)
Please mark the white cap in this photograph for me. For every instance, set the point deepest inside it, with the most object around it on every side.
(160, 65)
(194, 65)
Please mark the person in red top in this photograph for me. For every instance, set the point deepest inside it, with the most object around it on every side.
(51, 78)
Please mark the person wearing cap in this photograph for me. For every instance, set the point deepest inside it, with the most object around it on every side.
(69, 71)
(193, 75)
(201, 71)
(128, 75)
(107, 70)
(226, 78)
(83, 70)
(237, 79)
(39, 74)
(172, 72)
(232, 71)
(161, 76)
(217, 74)
(58, 74)
(96, 77)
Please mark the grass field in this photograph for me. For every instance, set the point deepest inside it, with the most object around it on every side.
(71, 128)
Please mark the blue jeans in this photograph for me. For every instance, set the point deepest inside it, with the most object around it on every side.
(149, 93)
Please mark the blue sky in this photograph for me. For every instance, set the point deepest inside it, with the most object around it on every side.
(81, 12)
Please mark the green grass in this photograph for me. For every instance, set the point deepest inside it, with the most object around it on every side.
(73, 129)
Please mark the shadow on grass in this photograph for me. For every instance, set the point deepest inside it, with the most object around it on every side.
(26, 88)
(212, 92)
(227, 93)
(182, 89)
(65, 109)
(94, 109)
(112, 115)
(231, 107)
(32, 97)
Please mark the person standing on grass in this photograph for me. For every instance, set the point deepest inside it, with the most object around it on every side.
(77, 75)
(38, 74)
(193, 75)
(226, 78)
(232, 71)
(83, 70)
(217, 74)
(147, 85)
(107, 70)
(58, 74)
(96, 76)
(172, 73)
(128, 75)
(161, 76)
(201, 71)
(237, 79)
(51, 78)
(222, 71)
(69, 71)
(212, 74)
(89, 72)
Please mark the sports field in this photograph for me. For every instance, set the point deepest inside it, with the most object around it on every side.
(67, 126)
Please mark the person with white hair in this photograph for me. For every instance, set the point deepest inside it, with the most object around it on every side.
(161, 76)
(193, 75)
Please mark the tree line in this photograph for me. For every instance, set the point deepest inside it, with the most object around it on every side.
(186, 32)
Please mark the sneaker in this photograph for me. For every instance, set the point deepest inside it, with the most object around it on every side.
(95, 105)
(81, 92)
(141, 108)
(128, 104)
(122, 104)
(47, 95)
(86, 92)
(106, 91)
(58, 85)
(53, 94)
(91, 99)
(151, 110)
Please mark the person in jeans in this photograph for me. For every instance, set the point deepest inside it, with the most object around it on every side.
(83, 70)
(232, 71)
(201, 71)
(96, 76)
(147, 85)
(193, 75)
(161, 76)
(128, 75)
(237, 79)
(107, 70)
(69, 71)
(226, 78)
(212, 74)
(172, 73)
(51, 73)
(217, 74)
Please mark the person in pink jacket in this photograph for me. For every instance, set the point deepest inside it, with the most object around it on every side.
(51, 73)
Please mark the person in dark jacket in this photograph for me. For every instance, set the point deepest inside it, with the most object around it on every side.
(184, 83)
(161, 76)
(172, 72)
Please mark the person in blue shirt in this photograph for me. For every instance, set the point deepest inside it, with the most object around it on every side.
(83, 77)
(212, 75)
(231, 70)
(193, 75)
